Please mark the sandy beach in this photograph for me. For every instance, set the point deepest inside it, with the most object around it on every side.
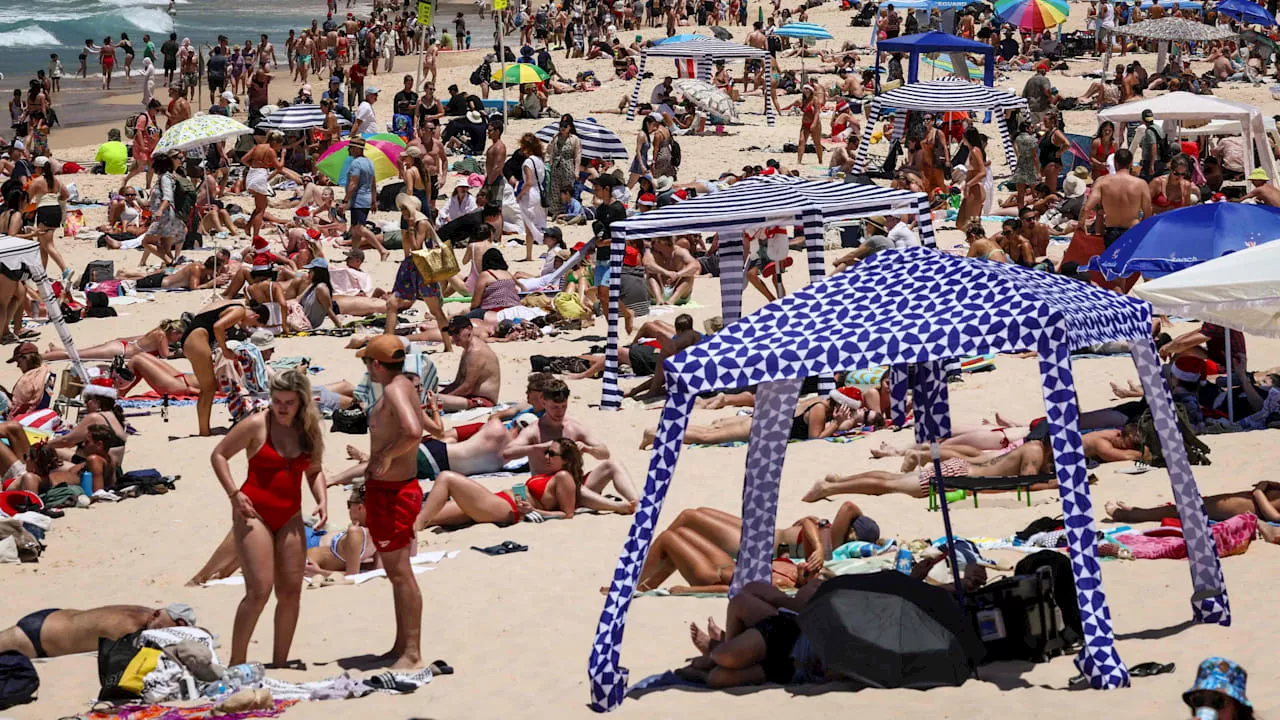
(518, 629)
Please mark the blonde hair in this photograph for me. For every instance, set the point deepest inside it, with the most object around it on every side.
(172, 325)
(307, 422)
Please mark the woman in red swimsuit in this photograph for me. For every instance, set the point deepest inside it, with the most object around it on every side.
(282, 445)
(1102, 147)
(456, 500)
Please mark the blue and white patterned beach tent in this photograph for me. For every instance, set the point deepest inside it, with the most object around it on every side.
(940, 307)
(938, 96)
(705, 52)
(749, 204)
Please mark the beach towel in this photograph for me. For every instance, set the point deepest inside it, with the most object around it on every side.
(1230, 537)
(862, 549)
(164, 712)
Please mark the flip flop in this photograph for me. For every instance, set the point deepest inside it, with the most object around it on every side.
(1148, 669)
(507, 547)
(440, 667)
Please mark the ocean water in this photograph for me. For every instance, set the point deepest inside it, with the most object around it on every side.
(32, 29)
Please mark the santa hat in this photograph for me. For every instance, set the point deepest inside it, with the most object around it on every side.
(260, 243)
(850, 397)
(100, 387)
(313, 233)
(1188, 368)
(303, 211)
(648, 199)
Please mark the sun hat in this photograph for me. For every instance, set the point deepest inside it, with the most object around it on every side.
(42, 161)
(1257, 174)
(356, 142)
(354, 254)
(413, 151)
(181, 611)
(474, 117)
(1220, 675)
(1082, 172)
(407, 201)
(663, 183)
(262, 339)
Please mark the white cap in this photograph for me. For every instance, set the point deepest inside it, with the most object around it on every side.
(228, 96)
(41, 161)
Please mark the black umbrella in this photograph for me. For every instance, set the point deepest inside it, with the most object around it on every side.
(721, 33)
(888, 630)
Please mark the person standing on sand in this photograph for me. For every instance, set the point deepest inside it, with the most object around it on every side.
(169, 51)
(1124, 198)
(393, 496)
(146, 135)
(108, 60)
(179, 109)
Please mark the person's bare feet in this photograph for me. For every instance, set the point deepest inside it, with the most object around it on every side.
(819, 489)
(1002, 422)
(1269, 532)
(700, 639)
(885, 450)
(715, 632)
(646, 441)
(1117, 510)
(712, 403)
(355, 453)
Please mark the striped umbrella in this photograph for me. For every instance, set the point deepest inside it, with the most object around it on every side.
(335, 161)
(199, 131)
(1033, 15)
(684, 37)
(299, 117)
(707, 97)
(520, 74)
(804, 31)
(598, 141)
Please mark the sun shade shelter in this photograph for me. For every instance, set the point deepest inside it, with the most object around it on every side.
(935, 41)
(1173, 109)
(20, 260)
(705, 52)
(938, 96)
(1167, 30)
(752, 204)
(913, 307)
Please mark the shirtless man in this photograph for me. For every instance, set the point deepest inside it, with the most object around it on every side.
(429, 60)
(753, 69)
(670, 271)
(54, 633)
(1263, 191)
(494, 157)
(392, 494)
(682, 336)
(1125, 199)
(554, 425)
(188, 65)
(267, 50)
(479, 372)
(179, 109)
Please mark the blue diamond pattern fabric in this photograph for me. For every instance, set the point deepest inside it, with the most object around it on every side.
(912, 310)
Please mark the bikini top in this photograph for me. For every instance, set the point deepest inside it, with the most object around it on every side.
(537, 486)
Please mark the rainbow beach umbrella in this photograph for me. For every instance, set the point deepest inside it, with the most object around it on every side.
(1033, 15)
(520, 74)
(336, 160)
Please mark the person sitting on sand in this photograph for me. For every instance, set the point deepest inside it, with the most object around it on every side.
(44, 462)
(155, 342)
(350, 551)
(54, 632)
(100, 409)
(457, 501)
(1263, 500)
(479, 373)
(702, 544)
(814, 418)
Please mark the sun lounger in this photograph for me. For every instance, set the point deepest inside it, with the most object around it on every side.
(974, 485)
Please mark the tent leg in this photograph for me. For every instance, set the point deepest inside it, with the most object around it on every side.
(611, 394)
(1098, 661)
(55, 318)
(775, 404)
(731, 276)
(1231, 403)
(608, 678)
(1209, 600)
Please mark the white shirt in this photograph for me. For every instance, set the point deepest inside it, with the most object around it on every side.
(453, 209)
(902, 236)
(366, 121)
(348, 281)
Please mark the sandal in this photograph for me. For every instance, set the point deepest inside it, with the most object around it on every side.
(1148, 669)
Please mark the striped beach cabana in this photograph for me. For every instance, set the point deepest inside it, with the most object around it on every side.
(705, 52)
(937, 96)
(941, 306)
(805, 205)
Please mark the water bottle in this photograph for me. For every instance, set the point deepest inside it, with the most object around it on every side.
(904, 561)
(1205, 713)
(86, 482)
(245, 675)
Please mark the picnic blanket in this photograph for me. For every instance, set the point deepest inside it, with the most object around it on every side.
(164, 712)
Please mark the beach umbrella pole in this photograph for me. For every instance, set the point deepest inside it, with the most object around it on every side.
(1231, 404)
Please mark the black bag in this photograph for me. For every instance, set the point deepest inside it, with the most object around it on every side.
(1019, 618)
(18, 680)
(775, 44)
(1064, 588)
(387, 196)
(97, 271)
(114, 657)
(352, 421)
(676, 155)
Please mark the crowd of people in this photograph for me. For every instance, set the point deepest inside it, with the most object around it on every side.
(296, 242)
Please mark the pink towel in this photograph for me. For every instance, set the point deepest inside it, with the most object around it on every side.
(1231, 537)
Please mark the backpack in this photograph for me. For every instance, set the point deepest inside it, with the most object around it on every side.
(775, 44)
(97, 271)
(184, 197)
(1163, 153)
(18, 680)
(131, 126)
(481, 74)
(675, 153)
(1197, 451)
(544, 182)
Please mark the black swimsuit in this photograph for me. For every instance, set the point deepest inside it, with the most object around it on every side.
(31, 625)
(206, 320)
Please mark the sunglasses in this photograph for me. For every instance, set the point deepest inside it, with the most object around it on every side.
(553, 453)
(1208, 699)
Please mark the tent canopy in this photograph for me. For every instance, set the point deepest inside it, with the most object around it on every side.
(934, 41)
(746, 205)
(1240, 290)
(1175, 29)
(1177, 107)
(940, 306)
(705, 51)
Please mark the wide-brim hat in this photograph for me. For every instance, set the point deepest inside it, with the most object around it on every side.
(1220, 675)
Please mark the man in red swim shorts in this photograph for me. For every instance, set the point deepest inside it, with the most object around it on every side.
(479, 372)
(392, 494)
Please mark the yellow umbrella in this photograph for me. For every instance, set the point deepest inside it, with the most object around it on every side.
(519, 74)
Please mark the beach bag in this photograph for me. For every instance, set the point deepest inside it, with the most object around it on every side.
(1197, 451)
(97, 271)
(131, 125)
(676, 155)
(352, 421)
(119, 664)
(569, 307)
(436, 264)
(18, 680)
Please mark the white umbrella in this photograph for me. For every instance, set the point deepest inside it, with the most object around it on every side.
(707, 97)
(199, 131)
(1240, 290)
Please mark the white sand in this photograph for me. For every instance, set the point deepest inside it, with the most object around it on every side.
(518, 629)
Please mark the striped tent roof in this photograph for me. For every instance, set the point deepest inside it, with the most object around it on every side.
(949, 94)
(299, 117)
(598, 141)
(843, 201)
(746, 204)
(706, 47)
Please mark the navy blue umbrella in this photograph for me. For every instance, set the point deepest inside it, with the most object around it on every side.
(1246, 11)
(1171, 241)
